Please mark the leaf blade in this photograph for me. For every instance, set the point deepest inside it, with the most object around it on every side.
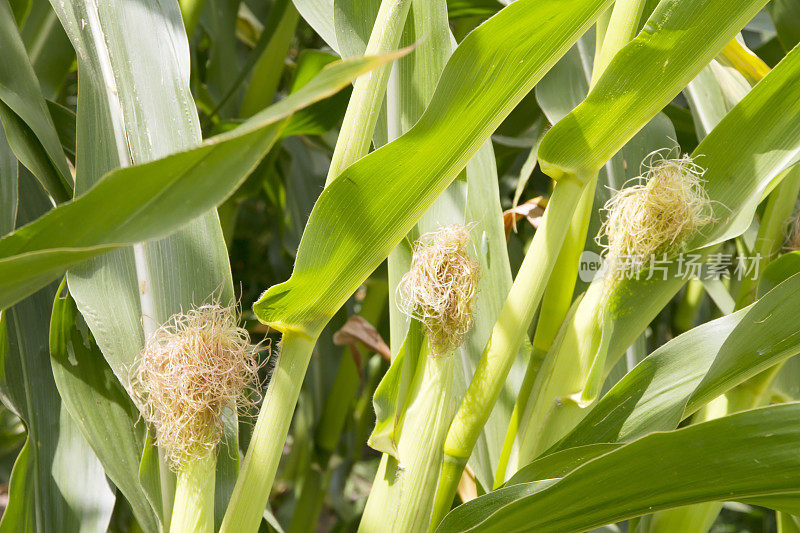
(328, 248)
(186, 184)
(641, 79)
(704, 462)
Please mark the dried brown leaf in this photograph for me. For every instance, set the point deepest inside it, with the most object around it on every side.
(532, 211)
(358, 329)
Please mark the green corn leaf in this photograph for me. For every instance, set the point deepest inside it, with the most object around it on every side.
(218, 19)
(152, 199)
(268, 70)
(788, 523)
(752, 454)
(322, 116)
(714, 92)
(48, 46)
(785, 15)
(786, 385)
(643, 77)
(9, 184)
(566, 85)
(149, 475)
(99, 405)
(260, 45)
(20, 10)
(562, 90)
(391, 397)
(387, 191)
(57, 483)
(65, 122)
(560, 463)
(693, 369)
(23, 111)
(472, 8)
(706, 102)
(778, 271)
(352, 24)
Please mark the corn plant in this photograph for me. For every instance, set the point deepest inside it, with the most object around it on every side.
(399, 265)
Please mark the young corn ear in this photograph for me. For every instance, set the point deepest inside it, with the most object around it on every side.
(439, 291)
(192, 370)
(440, 287)
(656, 215)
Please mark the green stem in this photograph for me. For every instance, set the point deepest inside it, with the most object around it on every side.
(338, 405)
(614, 29)
(452, 470)
(772, 232)
(507, 336)
(369, 89)
(689, 306)
(193, 511)
(534, 365)
(269, 68)
(568, 380)
(561, 285)
(599, 36)
(555, 305)
(622, 28)
(251, 493)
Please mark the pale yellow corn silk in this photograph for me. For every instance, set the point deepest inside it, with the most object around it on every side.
(192, 370)
(655, 215)
(441, 286)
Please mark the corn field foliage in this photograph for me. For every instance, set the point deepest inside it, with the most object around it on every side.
(400, 266)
